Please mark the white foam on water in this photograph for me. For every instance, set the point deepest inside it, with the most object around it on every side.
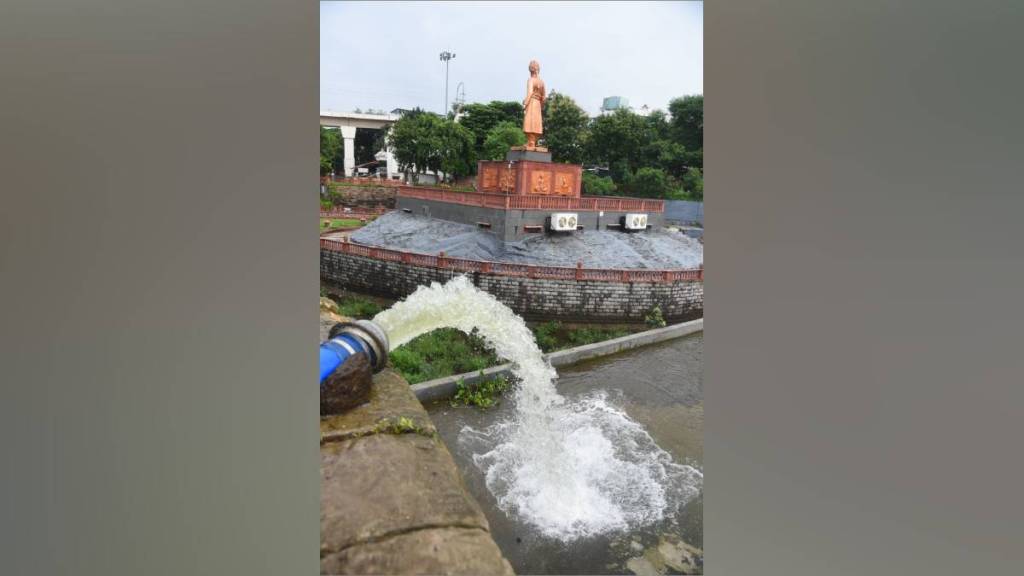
(571, 469)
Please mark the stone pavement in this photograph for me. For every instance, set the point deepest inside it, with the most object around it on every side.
(391, 499)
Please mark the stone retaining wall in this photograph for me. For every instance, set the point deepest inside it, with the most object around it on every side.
(531, 298)
(365, 196)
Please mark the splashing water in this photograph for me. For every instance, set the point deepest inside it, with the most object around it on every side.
(572, 469)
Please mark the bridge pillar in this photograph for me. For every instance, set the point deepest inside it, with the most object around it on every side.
(348, 135)
(392, 164)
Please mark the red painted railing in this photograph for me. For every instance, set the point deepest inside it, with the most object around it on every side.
(509, 269)
(532, 202)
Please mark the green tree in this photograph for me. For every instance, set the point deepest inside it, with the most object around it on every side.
(649, 183)
(617, 140)
(565, 128)
(503, 136)
(688, 121)
(480, 118)
(332, 152)
(693, 183)
(424, 141)
(670, 156)
(458, 150)
(415, 142)
(594, 185)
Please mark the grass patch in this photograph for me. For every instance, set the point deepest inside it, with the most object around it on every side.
(443, 352)
(484, 394)
(400, 425)
(331, 223)
(554, 335)
(356, 306)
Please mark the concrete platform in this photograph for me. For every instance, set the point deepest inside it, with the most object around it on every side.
(657, 249)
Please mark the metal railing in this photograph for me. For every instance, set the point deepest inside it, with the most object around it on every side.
(518, 270)
(533, 202)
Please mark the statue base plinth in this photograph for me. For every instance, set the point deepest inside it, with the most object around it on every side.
(519, 153)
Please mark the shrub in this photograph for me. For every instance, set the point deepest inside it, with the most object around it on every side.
(484, 394)
(499, 139)
(546, 335)
(443, 352)
(693, 182)
(359, 307)
(649, 183)
(581, 336)
(654, 319)
(594, 185)
(553, 335)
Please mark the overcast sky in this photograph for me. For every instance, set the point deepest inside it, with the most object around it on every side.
(384, 55)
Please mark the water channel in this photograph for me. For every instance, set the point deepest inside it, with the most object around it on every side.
(658, 389)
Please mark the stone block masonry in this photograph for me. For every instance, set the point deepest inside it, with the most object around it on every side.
(365, 196)
(532, 298)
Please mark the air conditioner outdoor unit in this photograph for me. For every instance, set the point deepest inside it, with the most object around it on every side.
(564, 221)
(634, 221)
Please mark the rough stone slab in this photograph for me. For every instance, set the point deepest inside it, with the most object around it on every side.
(390, 399)
(328, 318)
(383, 485)
(453, 551)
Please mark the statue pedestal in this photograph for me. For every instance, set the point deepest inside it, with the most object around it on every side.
(529, 172)
(518, 153)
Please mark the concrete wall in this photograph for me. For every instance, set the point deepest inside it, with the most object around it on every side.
(684, 211)
(534, 299)
(509, 225)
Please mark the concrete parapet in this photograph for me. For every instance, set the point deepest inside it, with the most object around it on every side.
(442, 388)
(391, 498)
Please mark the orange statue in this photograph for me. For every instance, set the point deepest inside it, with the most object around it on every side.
(532, 123)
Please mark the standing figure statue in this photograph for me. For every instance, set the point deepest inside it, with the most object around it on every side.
(534, 104)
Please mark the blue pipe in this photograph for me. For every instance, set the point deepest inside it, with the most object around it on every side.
(352, 338)
(334, 353)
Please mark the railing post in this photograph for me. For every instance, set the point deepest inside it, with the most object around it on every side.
(579, 270)
(344, 244)
(625, 275)
(665, 276)
(700, 273)
(440, 260)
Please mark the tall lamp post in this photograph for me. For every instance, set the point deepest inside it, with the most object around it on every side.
(460, 98)
(445, 57)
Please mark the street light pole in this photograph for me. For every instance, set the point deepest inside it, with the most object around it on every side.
(445, 57)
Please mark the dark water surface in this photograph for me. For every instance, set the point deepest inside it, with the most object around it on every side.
(661, 387)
